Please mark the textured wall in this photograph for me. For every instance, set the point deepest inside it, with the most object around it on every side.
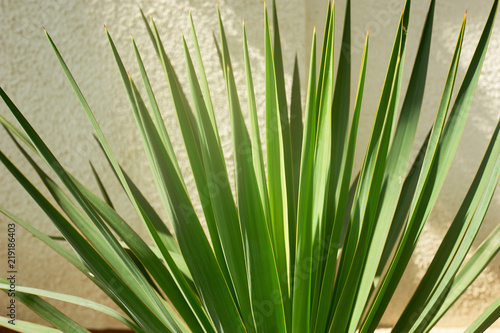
(30, 74)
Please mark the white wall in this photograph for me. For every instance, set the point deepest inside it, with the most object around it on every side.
(30, 74)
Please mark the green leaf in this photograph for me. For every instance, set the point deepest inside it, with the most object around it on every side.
(257, 156)
(204, 82)
(301, 291)
(27, 327)
(486, 319)
(323, 317)
(441, 148)
(288, 159)
(148, 211)
(343, 310)
(337, 155)
(260, 259)
(160, 126)
(170, 280)
(361, 222)
(26, 291)
(276, 173)
(9, 127)
(396, 165)
(140, 249)
(101, 271)
(222, 221)
(104, 193)
(225, 211)
(469, 272)
(296, 132)
(449, 257)
(45, 310)
(193, 243)
(321, 172)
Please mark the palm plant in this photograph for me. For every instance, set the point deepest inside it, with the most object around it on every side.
(299, 248)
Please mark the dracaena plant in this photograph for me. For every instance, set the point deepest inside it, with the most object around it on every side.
(300, 248)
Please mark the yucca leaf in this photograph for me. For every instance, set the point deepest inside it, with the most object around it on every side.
(121, 261)
(396, 166)
(402, 208)
(432, 174)
(257, 156)
(469, 272)
(98, 267)
(9, 127)
(219, 53)
(98, 180)
(147, 210)
(299, 248)
(158, 271)
(228, 75)
(68, 255)
(324, 49)
(322, 170)
(323, 316)
(218, 187)
(220, 193)
(193, 243)
(456, 242)
(27, 327)
(143, 269)
(171, 281)
(160, 126)
(51, 242)
(411, 181)
(223, 227)
(444, 254)
(487, 318)
(45, 310)
(260, 258)
(361, 222)
(301, 291)
(340, 119)
(296, 132)
(73, 300)
(62, 250)
(280, 82)
(100, 235)
(338, 139)
(288, 158)
(350, 289)
(276, 173)
(159, 161)
(111, 158)
(204, 82)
